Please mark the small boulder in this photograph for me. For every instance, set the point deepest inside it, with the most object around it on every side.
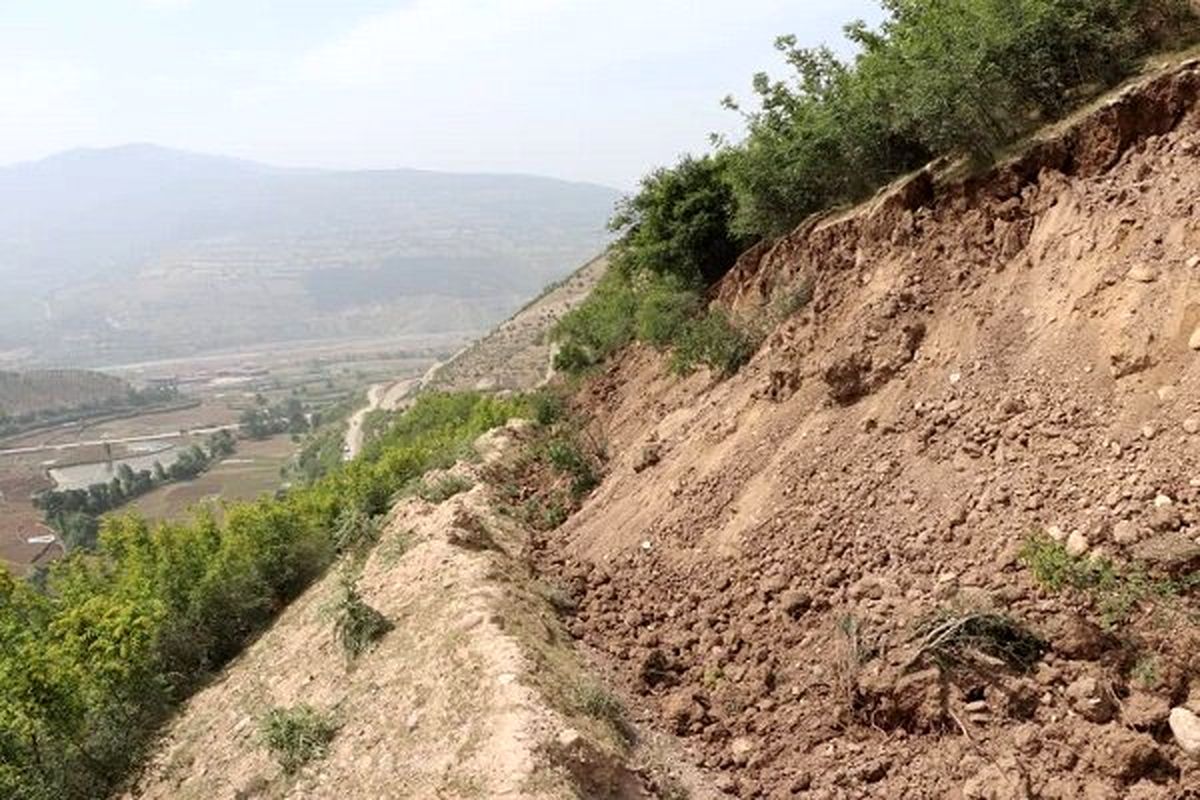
(1185, 725)
(1126, 533)
(1143, 273)
(1194, 340)
(1078, 639)
(682, 711)
(1091, 700)
(1165, 518)
(1077, 543)
(794, 603)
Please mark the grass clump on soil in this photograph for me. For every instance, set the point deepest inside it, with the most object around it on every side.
(952, 638)
(553, 471)
(393, 549)
(1116, 593)
(297, 735)
(356, 625)
(595, 701)
(442, 489)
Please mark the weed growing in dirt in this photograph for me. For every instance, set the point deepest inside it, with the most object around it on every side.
(565, 455)
(442, 489)
(791, 299)
(593, 700)
(951, 638)
(1115, 593)
(1145, 671)
(295, 736)
(356, 530)
(356, 626)
(714, 341)
(548, 407)
(394, 548)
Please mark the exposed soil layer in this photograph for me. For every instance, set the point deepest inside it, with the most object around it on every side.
(1009, 357)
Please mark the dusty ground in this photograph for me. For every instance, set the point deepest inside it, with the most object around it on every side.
(471, 695)
(980, 363)
(517, 354)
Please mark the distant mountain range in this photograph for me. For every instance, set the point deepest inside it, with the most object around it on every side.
(140, 252)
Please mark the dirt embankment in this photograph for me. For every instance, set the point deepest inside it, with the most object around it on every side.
(981, 364)
(476, 691)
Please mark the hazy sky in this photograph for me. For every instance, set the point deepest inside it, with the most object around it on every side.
(594, 90)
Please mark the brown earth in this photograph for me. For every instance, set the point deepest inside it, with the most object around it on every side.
(980, 362)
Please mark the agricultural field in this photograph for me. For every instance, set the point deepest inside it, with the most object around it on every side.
(214, 393)
(250, 472)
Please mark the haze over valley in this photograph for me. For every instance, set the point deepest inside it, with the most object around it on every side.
(140, 252)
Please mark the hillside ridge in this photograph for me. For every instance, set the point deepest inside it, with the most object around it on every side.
(986, 414)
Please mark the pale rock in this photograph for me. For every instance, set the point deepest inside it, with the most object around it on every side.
(1149, 431)
(1194, 340)
(1193, 262)
(1162, 501)
(1186, 727)
(1077, 543)
(1056, 533)
(1143, 274)
(1125, 533)
(1191, 426)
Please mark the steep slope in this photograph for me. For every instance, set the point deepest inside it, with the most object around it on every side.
(139, 250)
(828, 571)
(517, 353)
(476, 691)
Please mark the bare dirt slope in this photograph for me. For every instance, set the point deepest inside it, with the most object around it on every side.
(474, 693)
(517, 354)
(981, 363)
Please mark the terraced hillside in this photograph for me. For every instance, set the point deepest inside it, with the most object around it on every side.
(57, 389)
(517, 353)
(138, 252)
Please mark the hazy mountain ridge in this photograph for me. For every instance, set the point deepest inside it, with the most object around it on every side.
(140, 250)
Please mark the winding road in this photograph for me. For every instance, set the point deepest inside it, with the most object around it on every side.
(386, 396)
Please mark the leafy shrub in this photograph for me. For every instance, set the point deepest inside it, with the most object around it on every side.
(664, 314)
(355, 531)
(548, 407)
(713, 341)
(94, 660)
(296, 736)
(598, 327)
(678, 223)
(597, 702)
(565, 455)
(357, 626)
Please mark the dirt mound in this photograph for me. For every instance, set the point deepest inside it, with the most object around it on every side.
(517, 354)
(473, 690)
(939, 538)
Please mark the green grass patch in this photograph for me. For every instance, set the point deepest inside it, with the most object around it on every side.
(1115, 592)
(297, 736)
